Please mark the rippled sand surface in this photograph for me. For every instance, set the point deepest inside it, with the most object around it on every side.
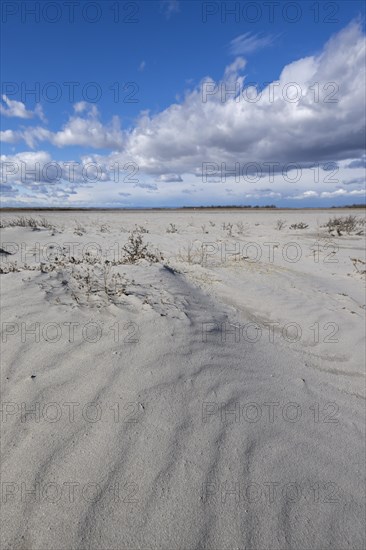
(211, 399)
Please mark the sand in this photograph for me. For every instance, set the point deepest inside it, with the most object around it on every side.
(207, 400)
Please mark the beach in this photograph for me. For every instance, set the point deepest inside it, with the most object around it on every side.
(182, 379)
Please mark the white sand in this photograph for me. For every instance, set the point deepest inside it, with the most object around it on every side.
(171, 441)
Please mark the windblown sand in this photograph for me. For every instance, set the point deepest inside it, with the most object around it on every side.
(213, 399)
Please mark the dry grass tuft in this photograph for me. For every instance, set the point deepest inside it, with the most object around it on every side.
(135, 249)
(24, 221)
(345, 224)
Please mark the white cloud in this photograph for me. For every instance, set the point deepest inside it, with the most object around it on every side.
(85, 130)
(171, 146)
(9, 136)
(12, 108)
(81, 106)
(305, 195)
(248, 43)
(342, 193)
(169, 178)
(232, 73)
(89, 132)
(38, 172)
(305, 131)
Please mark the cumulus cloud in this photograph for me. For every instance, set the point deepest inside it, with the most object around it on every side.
(311, 116)
(82, 106)
(342, 193)
(305, 195)
(329, 194)
(12, 108)
(9, 136)
(232, 74)
(37, 172)
(86, 130)
(89, 132)
(312, 129)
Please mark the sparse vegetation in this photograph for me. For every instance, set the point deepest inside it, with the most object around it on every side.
(10, 267)
(345, 224)
(135, 249)
(300, 225)
(172, 228)
(141, 229)
(98, 283)
(24, 221)
(359, 265)
(280, 224)
(193, 254)
(228, 227)
(240, 228)
(104, 228)
(79, 229)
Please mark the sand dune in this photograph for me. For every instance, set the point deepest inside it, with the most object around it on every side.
(206, 400)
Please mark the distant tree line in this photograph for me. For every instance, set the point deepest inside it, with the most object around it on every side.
(232, 206)
(351, 206)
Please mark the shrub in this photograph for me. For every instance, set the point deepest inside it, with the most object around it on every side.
(359, 265)
(24, 221)
(348, 224)
(104, 228)
(228, 227)
(300, 225)
(193, 254)
(240, 227)
(135, 249)
(172, 228)
(141, 229)
(79, 229)
(280, 224)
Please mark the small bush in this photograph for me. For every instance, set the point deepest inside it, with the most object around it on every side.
(280, 224)
(79, 229)
(135, 249)
(359, 265)
(240, 228)
(228, 227)
(172, 228)
(193, 254)
(300, 225)
(347, 224)
(141, 229)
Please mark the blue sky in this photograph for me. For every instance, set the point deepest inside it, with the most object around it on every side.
(181, 148)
